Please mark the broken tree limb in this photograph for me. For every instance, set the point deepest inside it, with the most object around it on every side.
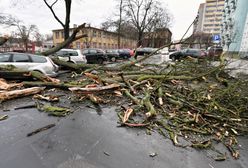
(7, 95)
(95, 89)
(5, 86)
(72, 38)
(50, 85)
(3, 40)
(42, 77)
(72, 66)
(40, 130)
(20, 74)
(149, 106)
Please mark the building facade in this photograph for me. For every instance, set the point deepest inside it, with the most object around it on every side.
(235, 26)
(210, 17)
(198, 26)
(158, 38)
(97, 38)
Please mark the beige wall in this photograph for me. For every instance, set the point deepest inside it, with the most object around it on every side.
(97, 38)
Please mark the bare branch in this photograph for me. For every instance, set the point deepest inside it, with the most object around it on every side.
(51, 9)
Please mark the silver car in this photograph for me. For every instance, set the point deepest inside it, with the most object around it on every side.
(71, 55)
(29, 62)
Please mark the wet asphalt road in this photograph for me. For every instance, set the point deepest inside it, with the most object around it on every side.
(88, 140)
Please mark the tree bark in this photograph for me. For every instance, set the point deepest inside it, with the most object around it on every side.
(67, 19)
(19, 93)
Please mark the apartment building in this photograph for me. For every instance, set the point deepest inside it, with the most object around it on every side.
(210, 17)
(97, 38)
(235, 27)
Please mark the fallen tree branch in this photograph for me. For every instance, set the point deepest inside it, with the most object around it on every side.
(40, 130)
(95, 89)
(72, 38)
(7, 95)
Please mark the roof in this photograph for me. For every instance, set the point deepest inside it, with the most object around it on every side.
(88, 28)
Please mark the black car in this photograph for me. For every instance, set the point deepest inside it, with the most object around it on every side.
(196, 53)
(112, 55)
(124, 53)
(94, 55)
(143, 51)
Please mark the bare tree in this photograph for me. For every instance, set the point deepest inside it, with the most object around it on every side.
(24, 32)
(66, 23)
(121, 6)
(142, 13)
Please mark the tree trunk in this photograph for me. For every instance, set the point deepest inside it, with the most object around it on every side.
(67, 20)
(119, 25)
(140, 39)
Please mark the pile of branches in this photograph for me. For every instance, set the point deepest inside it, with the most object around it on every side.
(189, 100)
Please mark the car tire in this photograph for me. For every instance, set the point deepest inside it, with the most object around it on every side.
(99, 61)
(173, 58)
(113, 59)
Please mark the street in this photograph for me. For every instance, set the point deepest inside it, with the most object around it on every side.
(86, 139)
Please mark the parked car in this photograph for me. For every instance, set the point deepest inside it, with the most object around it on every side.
(94, 55)
(29, 62)
(125, 53)
(71, 55)
(143, 51)
(112, 55)
(215, 51)
(196, 53)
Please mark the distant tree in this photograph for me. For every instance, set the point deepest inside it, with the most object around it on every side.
(66, 23)
(24, 33)
(143, 13)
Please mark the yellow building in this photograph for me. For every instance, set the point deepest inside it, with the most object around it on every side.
(97, 38)
(213, 16)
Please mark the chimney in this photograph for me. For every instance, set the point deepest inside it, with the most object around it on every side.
(74, 25)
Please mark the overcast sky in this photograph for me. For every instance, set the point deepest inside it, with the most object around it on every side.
(94, 12)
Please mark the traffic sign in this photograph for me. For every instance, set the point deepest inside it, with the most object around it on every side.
(216, 38)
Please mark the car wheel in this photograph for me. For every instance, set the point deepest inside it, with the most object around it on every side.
(173, 58)
(100, 61)
(113, 59)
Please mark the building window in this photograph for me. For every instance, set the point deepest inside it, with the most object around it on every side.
(100, 45)
(62, 34)
(94, 33)
(57, 35)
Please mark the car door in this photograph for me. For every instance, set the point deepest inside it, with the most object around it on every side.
(63, 55)
(92, 56)
(21, 61)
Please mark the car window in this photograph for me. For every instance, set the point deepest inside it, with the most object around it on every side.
(100, 51)
(92, 51)
(85, 52)
(72, 53)
(4, 57)
(38, 59)
(20, 58)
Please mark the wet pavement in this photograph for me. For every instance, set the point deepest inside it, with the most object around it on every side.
(88, 140)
